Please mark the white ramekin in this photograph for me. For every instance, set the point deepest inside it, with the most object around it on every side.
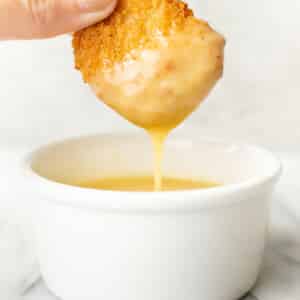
(200, 244)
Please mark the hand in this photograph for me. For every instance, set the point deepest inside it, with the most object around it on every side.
(31, 19)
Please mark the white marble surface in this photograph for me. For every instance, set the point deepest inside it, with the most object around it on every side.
(40, 292)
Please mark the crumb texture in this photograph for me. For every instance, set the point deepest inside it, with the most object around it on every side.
(135, 24)
(151, 61)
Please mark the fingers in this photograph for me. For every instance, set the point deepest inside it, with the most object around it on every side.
(28, 19)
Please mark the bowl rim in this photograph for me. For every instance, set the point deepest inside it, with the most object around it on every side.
(183, 200)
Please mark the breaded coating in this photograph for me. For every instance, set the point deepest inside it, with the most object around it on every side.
(151, 60)
(135, 24)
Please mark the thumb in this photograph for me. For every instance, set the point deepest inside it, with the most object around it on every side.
(29, 19)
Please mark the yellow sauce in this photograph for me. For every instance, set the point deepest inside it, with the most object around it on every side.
(158, 137)
(145, 184)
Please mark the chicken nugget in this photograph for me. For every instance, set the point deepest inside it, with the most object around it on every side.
(151, 61)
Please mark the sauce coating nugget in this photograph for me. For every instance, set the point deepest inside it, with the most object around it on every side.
(151, 61)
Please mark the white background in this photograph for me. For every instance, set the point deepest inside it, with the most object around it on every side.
(43, 97)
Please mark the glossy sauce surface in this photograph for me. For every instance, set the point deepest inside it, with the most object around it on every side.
(145, 184)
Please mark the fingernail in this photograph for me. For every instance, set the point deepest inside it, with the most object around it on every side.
(97, 5)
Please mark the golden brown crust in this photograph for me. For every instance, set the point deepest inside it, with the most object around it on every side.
(151, 61)
(134, 24)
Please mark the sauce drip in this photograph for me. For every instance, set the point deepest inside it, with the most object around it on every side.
(158, 138)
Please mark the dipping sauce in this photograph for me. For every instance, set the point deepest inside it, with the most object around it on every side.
(145, 184)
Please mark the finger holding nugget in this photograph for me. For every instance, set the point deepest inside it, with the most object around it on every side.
(31, 19)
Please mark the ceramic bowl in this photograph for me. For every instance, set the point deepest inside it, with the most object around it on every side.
(197, 244)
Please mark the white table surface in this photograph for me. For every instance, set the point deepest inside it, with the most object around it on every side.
(40, 292)
(9, 174)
